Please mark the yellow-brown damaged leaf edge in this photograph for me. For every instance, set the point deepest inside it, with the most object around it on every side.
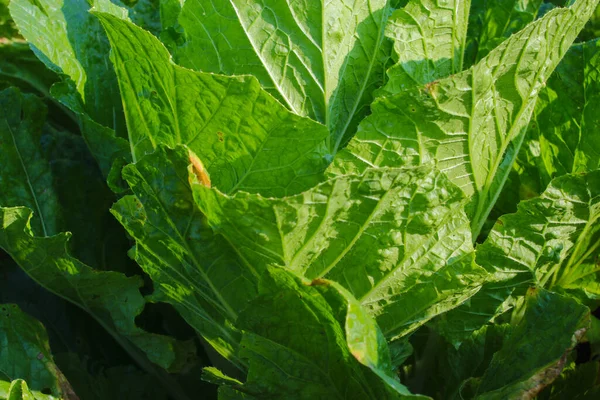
(198, 169)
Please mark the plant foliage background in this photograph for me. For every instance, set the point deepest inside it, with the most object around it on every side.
(299, 200)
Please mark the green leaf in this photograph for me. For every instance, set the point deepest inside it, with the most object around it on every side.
(110, 297)
(429, 42)
(18, 390)
(19, 66)
(552, 241)
(8, 30)
(322, 59)
(193, 269)
(37, 245)
(71, 41)
(576, 382)
(92, 382)
(245, 138)
(536, 351)
(551, 237)
(493, 21)
(398, 239)
(295, 340)
(470, 125)
(25, 173)
(561, 138)
(26, 354)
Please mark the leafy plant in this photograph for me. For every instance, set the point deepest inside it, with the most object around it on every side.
(299, 200)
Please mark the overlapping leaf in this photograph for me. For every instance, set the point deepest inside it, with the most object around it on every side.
(429, 42)
(398, 239)
(39, 248)
(18, 390)
(536, 351)
(25, 354)
(193, 269)
(306, 341)
(322, 59)
(493, 21)
(562, 137)
(552, 241)
(69, 40)
(245, 138)
(470, 125)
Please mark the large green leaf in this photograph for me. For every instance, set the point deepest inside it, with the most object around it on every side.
(552, 241)
(398, 239)
(245, 138)
(322, 59)
(25, 354)
(429, 42)
(194, 270)
(536, 351)
(37, 245)
(471, 124)
(310, 340)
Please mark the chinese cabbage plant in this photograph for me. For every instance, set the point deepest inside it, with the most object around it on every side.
(299, 200)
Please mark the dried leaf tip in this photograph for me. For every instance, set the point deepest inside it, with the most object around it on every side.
(199, 169)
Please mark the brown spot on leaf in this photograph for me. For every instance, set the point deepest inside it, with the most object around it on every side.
(199, 170)
(319, 282)
(220, 135)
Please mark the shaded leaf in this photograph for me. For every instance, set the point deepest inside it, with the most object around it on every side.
(295, 342)
(25, 354)
(493, 21)
(536, 351)
(192, 269)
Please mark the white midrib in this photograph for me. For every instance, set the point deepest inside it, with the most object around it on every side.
(29, 184)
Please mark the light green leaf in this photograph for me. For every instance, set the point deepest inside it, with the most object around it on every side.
(18, 390)
(552, 241)
(193, 269)
(25, 354)
(471, 124)
(535, 353)
(429, 42)
(295, 341)
(245, 138)
(322, 59)
(493, 21)
(550, 237)
(398, 239)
